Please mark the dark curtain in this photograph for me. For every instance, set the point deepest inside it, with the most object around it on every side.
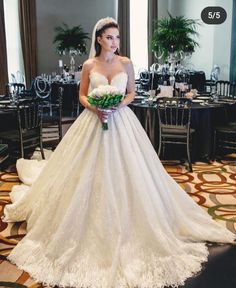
(124, 23)
(152, 16)
(28, 32)
(3, 52)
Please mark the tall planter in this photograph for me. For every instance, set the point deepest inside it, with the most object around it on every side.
(174, 37)
(71, 41)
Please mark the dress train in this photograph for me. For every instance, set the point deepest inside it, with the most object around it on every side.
(105, 213)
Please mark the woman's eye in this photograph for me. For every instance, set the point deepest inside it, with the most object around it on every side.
(109, 37)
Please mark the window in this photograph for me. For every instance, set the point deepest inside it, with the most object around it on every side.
(14, 49)
(138, 34)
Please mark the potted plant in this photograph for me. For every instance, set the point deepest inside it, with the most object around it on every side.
(67, 39)
(70, 41)
(174, 36)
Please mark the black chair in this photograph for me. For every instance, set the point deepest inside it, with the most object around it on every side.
(19, 91)
(28, 93)
(226, 89)
(69, 98)
(144, 79)
(4, 153)
(174, 116)
(14, 90)
(28, 134)
(210, 86)
(197, 80)
(52, 120)
(42, 88)
(224, 140)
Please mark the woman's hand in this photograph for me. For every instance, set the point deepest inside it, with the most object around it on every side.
(104, 114)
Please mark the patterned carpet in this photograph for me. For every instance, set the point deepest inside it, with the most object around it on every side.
(212, 186)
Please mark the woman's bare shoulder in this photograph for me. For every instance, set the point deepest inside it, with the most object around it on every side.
(127, 63)
(88, 64)
(125, 60)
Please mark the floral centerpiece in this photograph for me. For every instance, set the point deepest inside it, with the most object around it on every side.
(105, 97)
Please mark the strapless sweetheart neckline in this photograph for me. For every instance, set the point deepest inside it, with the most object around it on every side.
(112, 79)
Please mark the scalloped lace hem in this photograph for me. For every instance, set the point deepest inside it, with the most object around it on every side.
(153, 272)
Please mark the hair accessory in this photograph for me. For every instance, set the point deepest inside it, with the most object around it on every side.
(102, 22)
(98, 26)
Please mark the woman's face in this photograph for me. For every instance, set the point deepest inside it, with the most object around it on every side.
(109, 40)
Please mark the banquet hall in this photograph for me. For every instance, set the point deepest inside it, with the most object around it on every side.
(185, 100)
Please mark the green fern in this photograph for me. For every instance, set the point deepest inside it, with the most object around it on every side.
(174, 34)
(67, 39)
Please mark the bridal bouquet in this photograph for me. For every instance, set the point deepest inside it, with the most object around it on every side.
(105, 97)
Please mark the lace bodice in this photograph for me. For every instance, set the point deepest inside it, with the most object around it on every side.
(119, 81)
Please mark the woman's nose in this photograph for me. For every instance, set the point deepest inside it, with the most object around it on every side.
(116, 41)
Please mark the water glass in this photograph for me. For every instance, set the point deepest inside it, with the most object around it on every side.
(216, 96)
(13, 97)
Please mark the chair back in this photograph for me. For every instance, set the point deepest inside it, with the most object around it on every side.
(52, 119)
(210, 86)
(226, 89)
(144, 78)
(174, 115)
(14, 88)
(42, 87)
(30, 126)
(197, 80)
(28, 134)
(29, 115)
(174, 111)
(60, 96)
(54, 108)
(4, 153)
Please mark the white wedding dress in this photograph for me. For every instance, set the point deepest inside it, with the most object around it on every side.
(105, 213)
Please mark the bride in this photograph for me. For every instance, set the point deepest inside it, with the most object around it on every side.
(104, 212)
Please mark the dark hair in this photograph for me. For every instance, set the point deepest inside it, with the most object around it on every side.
(99, 33)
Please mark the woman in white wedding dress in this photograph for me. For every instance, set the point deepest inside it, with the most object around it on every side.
(104, 212)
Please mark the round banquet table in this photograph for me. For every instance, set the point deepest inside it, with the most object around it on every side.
(203, 120)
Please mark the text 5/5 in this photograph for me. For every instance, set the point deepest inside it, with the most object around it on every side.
(213, 15)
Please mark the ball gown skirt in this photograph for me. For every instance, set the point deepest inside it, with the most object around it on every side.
(104, 212)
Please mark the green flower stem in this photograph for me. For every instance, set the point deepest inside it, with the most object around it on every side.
(104, 126)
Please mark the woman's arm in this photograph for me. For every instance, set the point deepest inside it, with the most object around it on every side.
(83, 91)
(84, 85)
(130, 84)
